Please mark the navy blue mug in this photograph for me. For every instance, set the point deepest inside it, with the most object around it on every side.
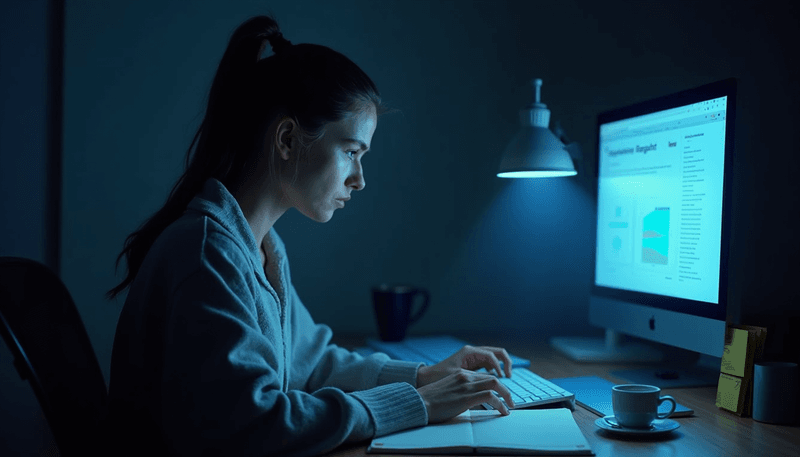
(393, 305)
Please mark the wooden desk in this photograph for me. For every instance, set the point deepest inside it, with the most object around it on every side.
(710, 432)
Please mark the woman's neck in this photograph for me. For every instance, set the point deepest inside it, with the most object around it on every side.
(263, 255)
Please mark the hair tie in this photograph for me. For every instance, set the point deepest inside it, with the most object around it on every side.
(279, 43)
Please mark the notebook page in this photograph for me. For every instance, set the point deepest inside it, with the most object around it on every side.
(542, 430)
(454, 434)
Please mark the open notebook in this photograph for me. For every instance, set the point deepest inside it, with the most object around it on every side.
(523, 432)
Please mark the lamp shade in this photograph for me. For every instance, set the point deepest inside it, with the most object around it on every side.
(535, 152)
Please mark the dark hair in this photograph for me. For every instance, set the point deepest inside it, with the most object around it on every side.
(312, 84)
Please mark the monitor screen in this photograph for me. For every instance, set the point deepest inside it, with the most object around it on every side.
(659, 202)
(663, 222)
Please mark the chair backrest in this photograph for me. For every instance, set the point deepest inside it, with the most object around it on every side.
(45, 333)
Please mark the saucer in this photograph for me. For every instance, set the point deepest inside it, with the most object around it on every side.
(659, 426)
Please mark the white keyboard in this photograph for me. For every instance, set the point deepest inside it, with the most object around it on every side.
(529, 389)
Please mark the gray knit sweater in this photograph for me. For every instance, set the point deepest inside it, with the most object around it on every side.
(215, 355)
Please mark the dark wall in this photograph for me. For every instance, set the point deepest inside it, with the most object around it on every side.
(30, 150)
(497, 255)
(23, 127)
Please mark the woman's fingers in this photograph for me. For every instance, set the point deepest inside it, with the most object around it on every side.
(483, 387)
(461, 390)
(492, 383)
(488, 358)
(477, 357)
(492, 399)
(501, 354)
(491, 362)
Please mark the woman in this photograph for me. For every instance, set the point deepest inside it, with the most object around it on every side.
(214, 352)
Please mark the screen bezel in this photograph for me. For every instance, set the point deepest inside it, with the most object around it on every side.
(717, 89)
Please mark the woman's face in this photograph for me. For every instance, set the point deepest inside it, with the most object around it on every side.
(331, 170)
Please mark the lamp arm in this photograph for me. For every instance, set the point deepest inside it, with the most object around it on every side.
(573, 148)
(575, 152)
(559, 133)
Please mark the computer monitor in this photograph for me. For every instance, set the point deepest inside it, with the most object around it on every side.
(663, 226)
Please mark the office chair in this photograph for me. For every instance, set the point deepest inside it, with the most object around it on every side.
(51, 349)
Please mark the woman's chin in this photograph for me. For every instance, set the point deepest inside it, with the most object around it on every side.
(319, 216)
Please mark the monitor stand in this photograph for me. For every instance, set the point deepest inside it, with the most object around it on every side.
(612, 349)
(658, 369)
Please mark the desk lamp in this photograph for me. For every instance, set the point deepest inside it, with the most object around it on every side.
(535, 151)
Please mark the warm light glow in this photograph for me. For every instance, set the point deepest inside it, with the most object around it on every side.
(536, 174)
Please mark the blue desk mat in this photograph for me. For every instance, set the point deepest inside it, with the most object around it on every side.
(594, 394)
(427, 349)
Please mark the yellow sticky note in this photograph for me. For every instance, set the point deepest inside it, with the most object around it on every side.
(735, 352)
(728, 392)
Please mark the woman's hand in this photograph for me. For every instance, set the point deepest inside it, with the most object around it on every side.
(467, 358)
(461, 390)
(451, 386)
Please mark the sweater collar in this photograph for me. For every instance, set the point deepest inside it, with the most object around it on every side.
(216, 202)
(220, 205)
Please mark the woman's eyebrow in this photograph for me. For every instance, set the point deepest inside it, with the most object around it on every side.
(358, 142)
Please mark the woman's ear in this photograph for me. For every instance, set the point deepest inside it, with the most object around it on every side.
(285, 142)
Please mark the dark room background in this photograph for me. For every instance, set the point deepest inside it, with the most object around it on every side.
(498, 256)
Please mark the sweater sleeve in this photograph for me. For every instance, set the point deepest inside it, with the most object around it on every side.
(221, 388)
(327, 364)
(392, 406)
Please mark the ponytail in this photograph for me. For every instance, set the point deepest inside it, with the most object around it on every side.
(312, 84)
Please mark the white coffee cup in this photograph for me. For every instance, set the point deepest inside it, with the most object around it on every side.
(636, 405)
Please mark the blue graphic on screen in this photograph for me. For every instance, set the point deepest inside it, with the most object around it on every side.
(616, 245)
(655, 237)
